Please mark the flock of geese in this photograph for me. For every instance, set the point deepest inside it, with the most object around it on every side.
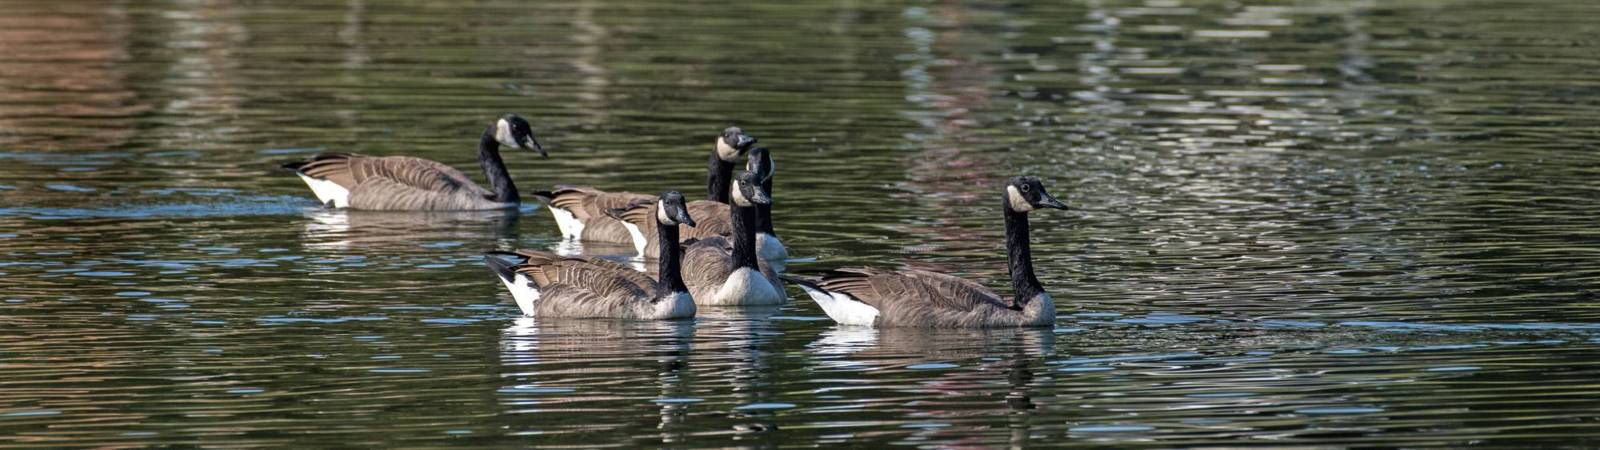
(718, 251)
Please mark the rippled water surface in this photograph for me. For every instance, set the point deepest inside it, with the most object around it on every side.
(1346, 223)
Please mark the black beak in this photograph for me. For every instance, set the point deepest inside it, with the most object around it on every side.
(744, 142)
(534, 144)
(683, 218)
(761, 197)
(1047, 201)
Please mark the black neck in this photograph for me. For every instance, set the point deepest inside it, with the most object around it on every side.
(495, 169)
(744, 235)
(1020, 258)
(764, 212)
(670, 275)
(719, 177)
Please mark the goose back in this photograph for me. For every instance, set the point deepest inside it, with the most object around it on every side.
(395, 183)
(588, 287)
(580, 212)
(922, 299)
(715, 277)
(639, 218)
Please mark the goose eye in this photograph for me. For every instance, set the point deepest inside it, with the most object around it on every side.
(1026, 188)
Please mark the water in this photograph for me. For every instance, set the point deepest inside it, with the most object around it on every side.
(1314, 223)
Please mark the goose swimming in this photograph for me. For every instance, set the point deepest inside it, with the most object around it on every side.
(581, 211)
(404, 183)
(715, 217)
(768, 247)
(727, 271)
(922, 299)
(545, 284)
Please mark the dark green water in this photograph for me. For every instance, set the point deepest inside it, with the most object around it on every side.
(1295, 223)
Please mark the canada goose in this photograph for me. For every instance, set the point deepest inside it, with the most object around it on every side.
(720, 272)
(580, 212)
(916, 298)
(404, 183)
(768, 247)
(715, 218)
(548, 285)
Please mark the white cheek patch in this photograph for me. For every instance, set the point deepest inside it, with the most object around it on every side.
(503, 134)
(726, 152)
(739, 198)
(1018, 202)
(661, 214)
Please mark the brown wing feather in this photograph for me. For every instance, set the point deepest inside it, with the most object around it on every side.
(934, 290)
(586, 203)
(706, 265)
(333, 167)
(711, 219)
(599, 276)
(417, 173)
(565, 300)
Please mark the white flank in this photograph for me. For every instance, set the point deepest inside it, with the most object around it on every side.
(523, 292)
(327, 191)
(638, 237)
(679, 306)
(571, 227)
(745, 286)
(771, 251)
(842, 308)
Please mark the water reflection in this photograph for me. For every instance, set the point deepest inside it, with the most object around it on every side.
(1313, 224)
(571, 366)
(344, 229)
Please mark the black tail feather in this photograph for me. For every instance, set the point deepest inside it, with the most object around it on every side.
(809, 283)
(503, 268)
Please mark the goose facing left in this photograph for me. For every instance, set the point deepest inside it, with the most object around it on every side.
(404, 183)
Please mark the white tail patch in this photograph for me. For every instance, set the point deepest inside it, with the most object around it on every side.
(327, 191)
(523, 292)
(571, 227)
(745, 286)
(842, 308)
(772, 252)
(638, 237)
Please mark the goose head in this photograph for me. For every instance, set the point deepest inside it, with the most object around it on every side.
(760, 162)
(513, 131)
(747, 190)
(733, 143)
(1025, 194)
(672, 210)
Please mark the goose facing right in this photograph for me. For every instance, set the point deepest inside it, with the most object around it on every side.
(715, 218)
(724, 273)
(922, 299)
(404, 183)
(580, 211)
(545, 284)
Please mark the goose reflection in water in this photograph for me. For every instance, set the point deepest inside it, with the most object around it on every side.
(936, 365)
(343, 229)
(743, 338)
(571, 365)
